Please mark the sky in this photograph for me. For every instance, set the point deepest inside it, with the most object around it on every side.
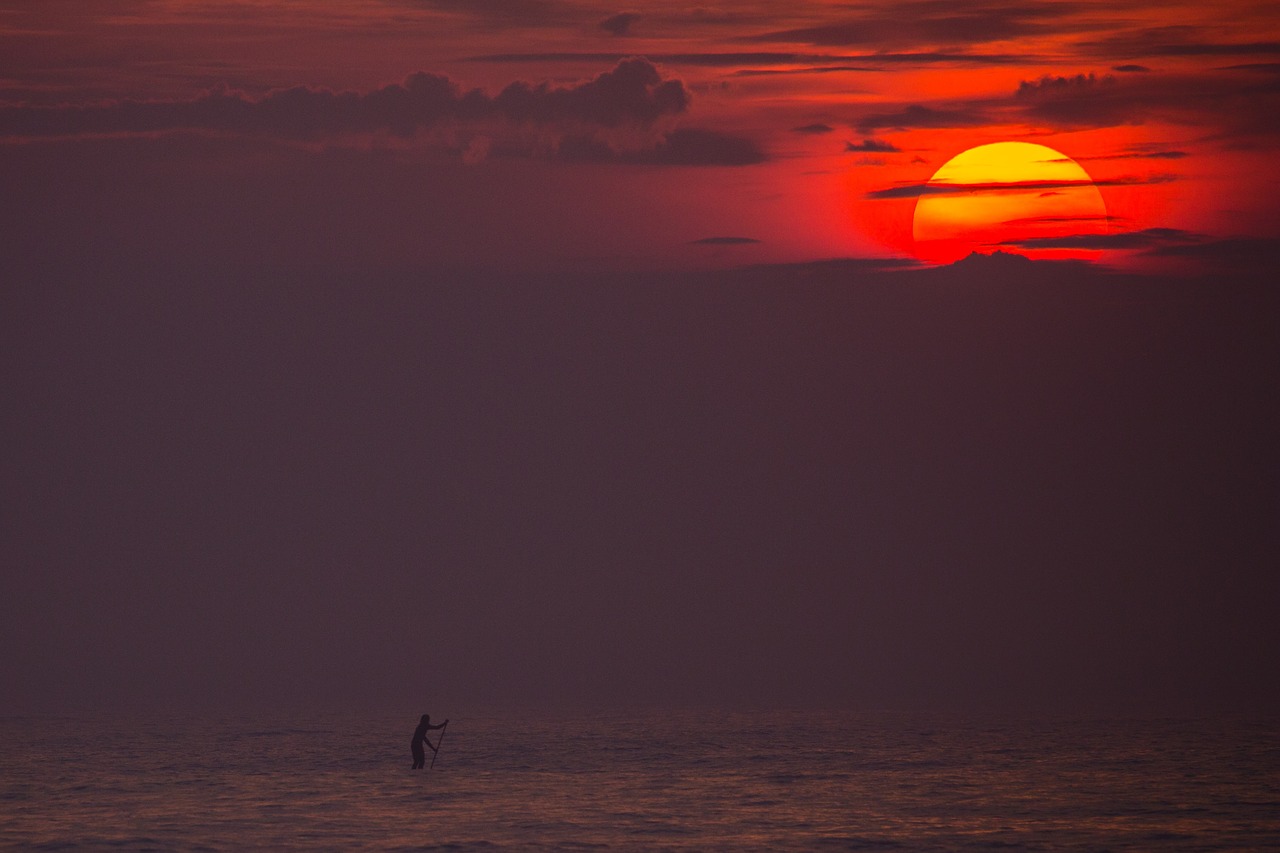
(551, 353)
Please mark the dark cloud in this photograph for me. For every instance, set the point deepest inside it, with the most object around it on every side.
(632, 93)
(687, 146)
(944, 58)
(1130, 69)
(1243, 102)
(725, 241)
(931, 22)
(1259, 67)
(690, 146)
(714, 60)
(872, 146)
(807, 62)
(1256, 253)
(1147, 238)
(1084, 100)
(1174, 41)
(813, 129)
(919, 116)
(1057, 220)
(505, 13)
(620, 24)
(1132, 155)
(1045, 187)
(823, 69)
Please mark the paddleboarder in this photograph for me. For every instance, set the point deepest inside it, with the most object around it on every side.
(420, 737)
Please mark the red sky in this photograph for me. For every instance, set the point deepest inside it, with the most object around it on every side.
(389, 352)
(785, 120)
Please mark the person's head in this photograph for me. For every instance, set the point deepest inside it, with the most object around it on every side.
(426, 718)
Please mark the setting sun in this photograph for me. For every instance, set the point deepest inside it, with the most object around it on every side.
(1006, 195)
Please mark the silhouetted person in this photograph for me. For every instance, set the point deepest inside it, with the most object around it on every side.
(420, 737)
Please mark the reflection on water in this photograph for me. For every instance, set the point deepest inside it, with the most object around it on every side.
(688, 781)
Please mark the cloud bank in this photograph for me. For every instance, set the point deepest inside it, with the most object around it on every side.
(619, 116)
(632, 93)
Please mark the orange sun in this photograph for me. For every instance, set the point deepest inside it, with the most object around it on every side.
(1015, 196)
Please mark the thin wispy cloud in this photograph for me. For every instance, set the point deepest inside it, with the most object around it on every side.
(998, 187)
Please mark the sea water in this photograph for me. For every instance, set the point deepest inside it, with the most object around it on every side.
(681, 781)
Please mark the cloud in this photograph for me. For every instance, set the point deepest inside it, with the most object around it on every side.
(1147, 238)
(1058, 220)
(633, 93)
(918, 116)
(1259, 67)
(687, 146)
(813, 129)
(714, 60)
(1242, 101)
(618, 117)
(620, 24)
(1260, 253)
(1131, 155)
(505, 13)
(933, 22)
(872, 146)
(725, 241)
(1130, 69)
(1083, 100)
(823, 69)
(767, 61)
(1178, 40)
(1043, 187)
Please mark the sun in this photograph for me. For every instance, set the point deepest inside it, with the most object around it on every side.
(1012, 196)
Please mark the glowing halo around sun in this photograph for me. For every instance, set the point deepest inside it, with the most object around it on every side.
(1010, 196)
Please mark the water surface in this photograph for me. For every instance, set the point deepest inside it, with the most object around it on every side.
(695, 781)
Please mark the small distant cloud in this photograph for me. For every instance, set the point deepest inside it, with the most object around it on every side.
(872, 146)
(725, 241)
(813, 129)
(1130, 69)
(620, 24)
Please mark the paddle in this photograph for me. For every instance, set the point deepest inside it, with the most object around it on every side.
(436, 753)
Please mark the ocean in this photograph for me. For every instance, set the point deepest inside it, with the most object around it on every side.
(679, 781)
